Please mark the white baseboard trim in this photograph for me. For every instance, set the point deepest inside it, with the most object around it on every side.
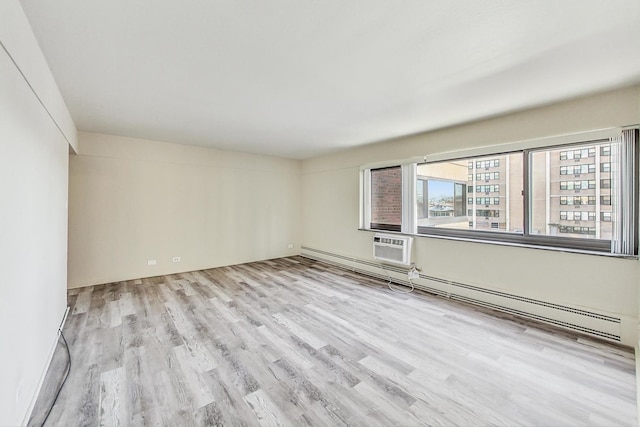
(638, 380)
(34, 398)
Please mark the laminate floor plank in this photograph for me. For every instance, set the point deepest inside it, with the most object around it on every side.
(295, 342)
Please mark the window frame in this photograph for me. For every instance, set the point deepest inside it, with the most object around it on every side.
(525, 238)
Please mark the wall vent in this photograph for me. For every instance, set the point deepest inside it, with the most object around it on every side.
(392, 249)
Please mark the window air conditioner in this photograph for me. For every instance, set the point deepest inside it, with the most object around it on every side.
(392, 249)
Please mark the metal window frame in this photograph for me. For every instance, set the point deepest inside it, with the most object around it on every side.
(526, 238)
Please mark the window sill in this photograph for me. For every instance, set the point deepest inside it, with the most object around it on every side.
(511, 244)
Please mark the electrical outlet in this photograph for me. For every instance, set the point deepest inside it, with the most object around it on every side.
(176, 259)
(413, 274)
(152, 262)
(290, 246)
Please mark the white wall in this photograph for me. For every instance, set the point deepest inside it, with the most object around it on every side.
(33, 214)
(133, 200)
(20, 42)
(600, 284)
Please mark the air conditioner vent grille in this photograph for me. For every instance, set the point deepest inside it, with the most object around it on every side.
(392, 249)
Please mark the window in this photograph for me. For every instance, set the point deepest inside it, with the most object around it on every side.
(439, 199)
(578, 154)
(605, 150)
(386, 199)
(486, 176)
(577, 215)
(480, 164)
(587, 231)
(487, 200)
(486, 213)
(549, 196)
(578, 185)
(485, 189)
(480, 197)
(577, 200)
(577, 169)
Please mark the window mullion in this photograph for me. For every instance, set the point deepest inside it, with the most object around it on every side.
(409, 205)
(365, 202)
(526, 191)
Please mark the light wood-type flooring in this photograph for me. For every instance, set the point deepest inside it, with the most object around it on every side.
(295, 342)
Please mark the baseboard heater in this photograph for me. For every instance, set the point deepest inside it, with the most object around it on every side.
(584, 321)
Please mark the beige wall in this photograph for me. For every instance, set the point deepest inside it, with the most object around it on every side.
(33, 216)
(595, 283)
(133, 200)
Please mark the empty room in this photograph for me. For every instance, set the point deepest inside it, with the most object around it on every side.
(303, 213)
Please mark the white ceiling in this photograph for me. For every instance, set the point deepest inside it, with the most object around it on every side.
(298, 78)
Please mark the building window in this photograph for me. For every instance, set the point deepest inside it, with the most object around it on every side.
(605, 150)
(487, 200)
(486, 176)
(577, 215)
(570, 229)
(486, 213)
(577, 169)
(578, 185)
(486, 164)
(578, 154)
(529, 204)
(487, 188)
(439, 199)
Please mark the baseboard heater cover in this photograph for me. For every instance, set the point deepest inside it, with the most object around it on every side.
(609, 326)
